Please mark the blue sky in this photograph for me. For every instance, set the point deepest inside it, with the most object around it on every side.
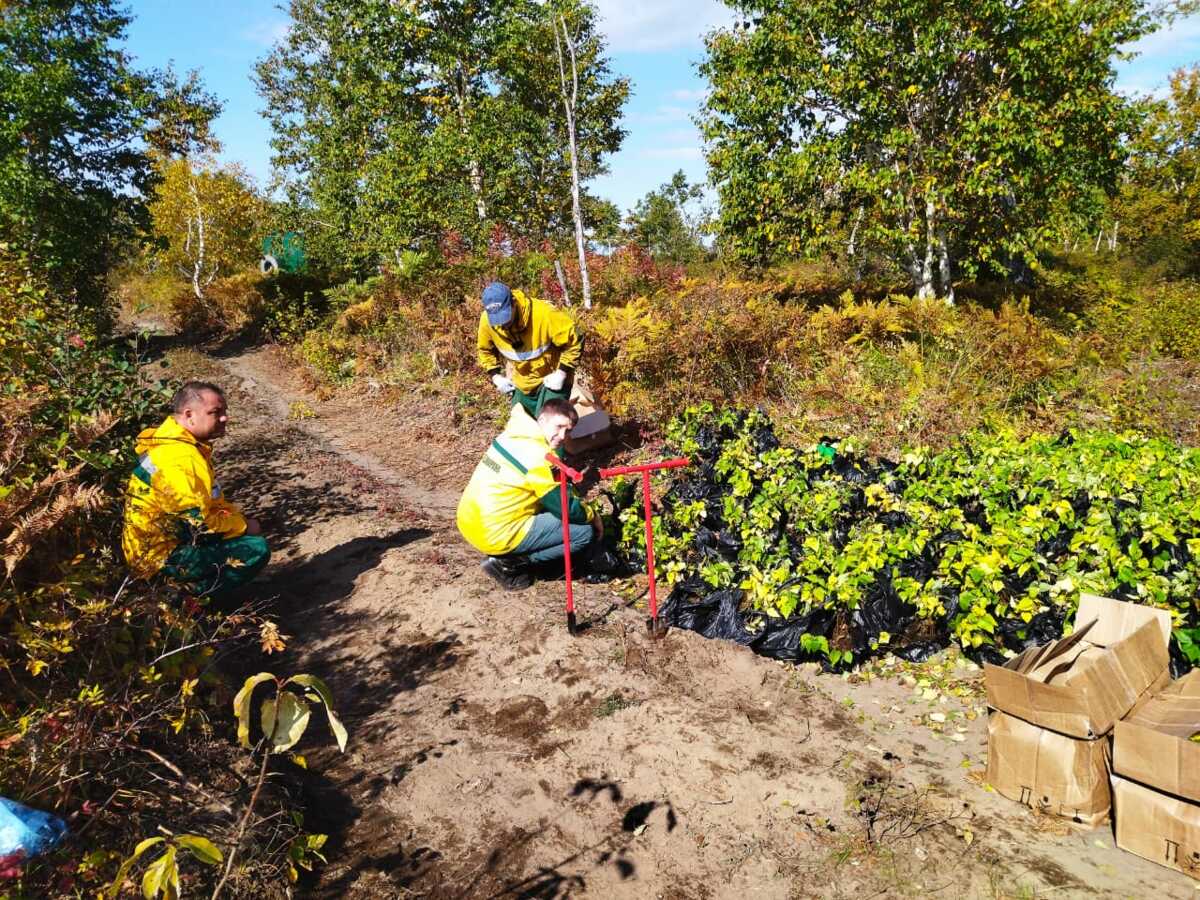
(655, 43)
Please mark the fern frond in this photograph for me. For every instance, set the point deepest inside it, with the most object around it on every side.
(37, 525)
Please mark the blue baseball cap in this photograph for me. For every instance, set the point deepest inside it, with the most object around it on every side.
(498, 303)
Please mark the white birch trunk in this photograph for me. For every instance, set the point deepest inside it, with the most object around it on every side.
(569, 99)
(925, 287)
(562, 282)
(944, 270)
(476, 174)
(852, 245)
(1112, 239)
(477, 188)
(198, 262)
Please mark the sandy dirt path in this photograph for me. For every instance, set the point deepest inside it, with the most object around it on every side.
(493, 755)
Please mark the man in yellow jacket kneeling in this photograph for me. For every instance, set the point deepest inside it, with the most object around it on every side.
(177, 520)
(511, 509)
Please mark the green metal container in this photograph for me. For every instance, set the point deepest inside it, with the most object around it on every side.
(283, 251)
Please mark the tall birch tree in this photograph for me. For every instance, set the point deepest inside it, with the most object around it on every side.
(208, 218)
(966, 131)
(569, 90)
(397, 122)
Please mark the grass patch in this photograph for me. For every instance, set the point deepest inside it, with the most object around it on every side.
(613, 704)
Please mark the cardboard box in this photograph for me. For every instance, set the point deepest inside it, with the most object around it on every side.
(1152, 745)
(1157, 827)
(1083, 684)
(594, 428)
(1047, 771)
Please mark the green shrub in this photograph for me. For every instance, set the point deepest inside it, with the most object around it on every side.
(976, 541)
(97, 669)
(1174, 311)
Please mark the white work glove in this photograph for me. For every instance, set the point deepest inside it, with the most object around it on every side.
(555, 380)
(503, 385)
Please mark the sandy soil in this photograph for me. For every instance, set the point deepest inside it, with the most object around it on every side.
(493, 755)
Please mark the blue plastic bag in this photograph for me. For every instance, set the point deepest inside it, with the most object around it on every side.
(27, 831)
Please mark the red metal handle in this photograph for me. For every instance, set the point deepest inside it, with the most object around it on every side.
(564, 469)
(566, 536)
(565, 472)
(646, 467)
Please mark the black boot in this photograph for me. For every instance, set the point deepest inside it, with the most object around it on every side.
(512, 576)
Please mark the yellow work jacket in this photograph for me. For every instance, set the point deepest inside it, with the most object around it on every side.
(542, 338)
(172, 497)
(512, 484)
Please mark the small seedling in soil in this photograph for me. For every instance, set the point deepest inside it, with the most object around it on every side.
(613, 703)
(298, 411)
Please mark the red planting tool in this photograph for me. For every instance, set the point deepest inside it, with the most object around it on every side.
(656, 629)
(565, 472)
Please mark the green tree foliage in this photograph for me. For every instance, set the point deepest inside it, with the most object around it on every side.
(663, 223)
(396, 123)
(1158, 209)
(207, 218)
(73, 112)
(183, 113)
(967, 133)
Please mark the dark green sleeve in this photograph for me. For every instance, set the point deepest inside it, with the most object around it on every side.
(576, 514)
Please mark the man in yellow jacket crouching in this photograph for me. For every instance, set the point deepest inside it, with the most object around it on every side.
(176, 519)
(540, 340)
(511, 509)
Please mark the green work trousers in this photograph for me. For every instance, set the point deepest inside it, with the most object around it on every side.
(534, 402)
(213, 566)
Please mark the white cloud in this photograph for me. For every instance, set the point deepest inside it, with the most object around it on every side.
(688, 95)
(662, 115)
(1157, 56)
(678, 137)
(678, 153)
(1181, 37)
(266, 32)
(643, 25)
(1143, 86)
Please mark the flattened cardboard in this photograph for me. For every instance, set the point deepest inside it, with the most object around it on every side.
(1050, 772)
(1088, 691)
(1157, 827)
(1152, 744)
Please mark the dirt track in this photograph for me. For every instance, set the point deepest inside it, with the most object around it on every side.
(492, 755)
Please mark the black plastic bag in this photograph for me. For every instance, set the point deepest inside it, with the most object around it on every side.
(716, 615)
(882, 610)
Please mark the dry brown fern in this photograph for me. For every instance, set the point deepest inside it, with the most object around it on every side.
(20, 498)
(37, 525)
(83, 433)
(16, 428)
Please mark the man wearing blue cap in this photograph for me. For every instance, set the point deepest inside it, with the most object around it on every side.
(540, 340)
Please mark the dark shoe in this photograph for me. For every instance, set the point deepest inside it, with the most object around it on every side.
(511, 576)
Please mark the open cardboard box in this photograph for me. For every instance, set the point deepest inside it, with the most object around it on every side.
(1159, 819)
(1083, 684)
(1047, 771)
(594, 428)
(1054, 704)
(1153, 744)
(1157, 827)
